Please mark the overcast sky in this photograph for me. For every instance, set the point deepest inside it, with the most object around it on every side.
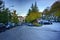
(22, 6)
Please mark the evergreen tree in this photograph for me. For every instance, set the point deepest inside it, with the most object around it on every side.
(33, 14)
(29, 11)
(34, 8)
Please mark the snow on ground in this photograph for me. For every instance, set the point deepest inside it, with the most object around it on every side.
(54, 26)
(32, 33)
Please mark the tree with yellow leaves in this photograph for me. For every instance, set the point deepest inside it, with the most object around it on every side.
(33, 14)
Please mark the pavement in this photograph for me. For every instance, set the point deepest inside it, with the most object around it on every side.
(45, 32)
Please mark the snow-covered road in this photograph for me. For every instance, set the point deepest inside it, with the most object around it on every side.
(46, 32)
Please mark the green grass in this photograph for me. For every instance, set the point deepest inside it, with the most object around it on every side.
(37, 24)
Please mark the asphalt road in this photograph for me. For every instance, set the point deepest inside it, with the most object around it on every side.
(31, 33)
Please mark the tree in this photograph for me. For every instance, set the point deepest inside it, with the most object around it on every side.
(14, 17)
(1, 2)
(34, 8)
(33, 14)
(55, 10)
(46, 12)
(5, 16)
(55, 6)
(5, 13)
(1, 5)
(29, 11)
(32, 17)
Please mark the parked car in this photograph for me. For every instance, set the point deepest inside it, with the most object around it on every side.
(52, 20)
(19, 24)
(29, 24)
(13, 24)
(45, 22)
(10, 25)
(2, 27)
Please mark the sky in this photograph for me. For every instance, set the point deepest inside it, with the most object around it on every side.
(22, 6)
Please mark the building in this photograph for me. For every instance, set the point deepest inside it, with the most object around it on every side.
(21, 19)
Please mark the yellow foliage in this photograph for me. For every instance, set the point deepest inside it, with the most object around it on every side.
(57, 13)
(33, 16)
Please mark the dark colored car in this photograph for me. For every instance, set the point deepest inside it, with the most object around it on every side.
(2, 27)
